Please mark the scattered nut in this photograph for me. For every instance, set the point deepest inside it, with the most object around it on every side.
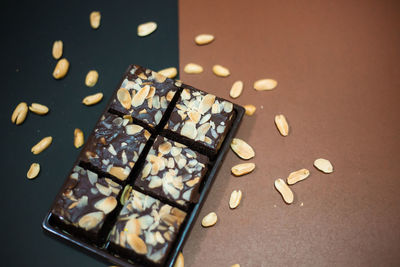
(169, 72)
(92, 99)
(203, 39)
(38, 109)
(209, 220)
(284, 190)
(33, 171)
(221, 71)
(236, 89)
(265, 84)
(323, 165)
(242, 149)
(282, 124)
(250, 109)
(193, 68)
(91, 78)
(95, 18)
(78, 138)
(19, 113)
(235, 199)
(135, 242)
(61, 69)
(297, 176)
(235, 265)
(146, 28)
(242, 169)
(57, 49)
(42, 145)
(179, 262)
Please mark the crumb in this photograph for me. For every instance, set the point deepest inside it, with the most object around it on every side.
(301, 204)
(274, 206)
(262, 107)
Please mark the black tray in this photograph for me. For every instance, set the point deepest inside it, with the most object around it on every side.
(102, 253)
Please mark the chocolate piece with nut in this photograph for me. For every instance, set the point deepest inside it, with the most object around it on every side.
(200, 120)
(115, 146)
(145, 95)
(145, 229)
(172, 171)
(85, 203)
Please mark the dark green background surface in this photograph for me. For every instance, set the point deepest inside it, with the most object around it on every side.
(29, 29)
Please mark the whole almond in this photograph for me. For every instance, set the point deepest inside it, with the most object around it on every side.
(33, 171)
(243, 168)
(323, 165)
(42, 145)
(92, 99)
(221, 71)
(242, 149)
(91, 78)
(209, 220)
(297, 176)
(250, 109)
(236, 197)
(61, 69)
(169, 72)
(282, 125)
(95, 18)
(146, 28)
(236, 89)
(192, 68)
(38, 109)
(179, 262)
(284, 190)
(78, 138)
(265, 84)
(57, 49)
(19, 114)
(203, 39)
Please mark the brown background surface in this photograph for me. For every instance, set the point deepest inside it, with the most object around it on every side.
(337, 64)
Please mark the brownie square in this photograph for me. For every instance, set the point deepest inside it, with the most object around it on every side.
(86, 201)
(145, 229)
(145, 95)
(115, 146)
(172, 171)
(200, 120)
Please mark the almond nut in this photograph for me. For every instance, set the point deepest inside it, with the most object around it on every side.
(180, 261)
(91, 220)
(235, 199)
(265, 84)
(203, 39)
(136, 243)
(33, 171)
(19, 113)
(91, 78)
(92, 99)
(95, 18)
(106, 205)
(192, 68)
(209, 220)
(242, 169)
(57, 49)
(38, 109)
(146, 28)
(235, 265)
(78, 138)
(282, 124)
(323, 165)
(284, 190)
(297, 176)
(119, 172)
(236, 89)
(250, 109)
(61, 69)
(221, 71)
(169, 72)
(124, 97)
(242, 149)
(42, 145)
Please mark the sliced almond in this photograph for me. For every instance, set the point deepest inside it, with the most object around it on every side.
(323, 165)
(209, 220)
(19, 113)
(265, 84)
(206, 103)
(179, 262)
(42, 145)
(133, 226)
(242, 149)
(236, 197)
(297, 176)
(38, 109)
(284, 190)
(221, 71)
(192, 68)
(250, 109)
(33, 171)
(106, 205)
(189, 130)
(169, 72)
(124, 97)
(242, 169)
(92, 99)
(140, 96)
(119, 172)
(95, 18)
(236, 89)
(57, 49)
(146, 28)
(91, 220)
(136, 243)
(91, 78)
(132, 129)
(78, 138)
(61, 69)
(281, 124)
(203, 39)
